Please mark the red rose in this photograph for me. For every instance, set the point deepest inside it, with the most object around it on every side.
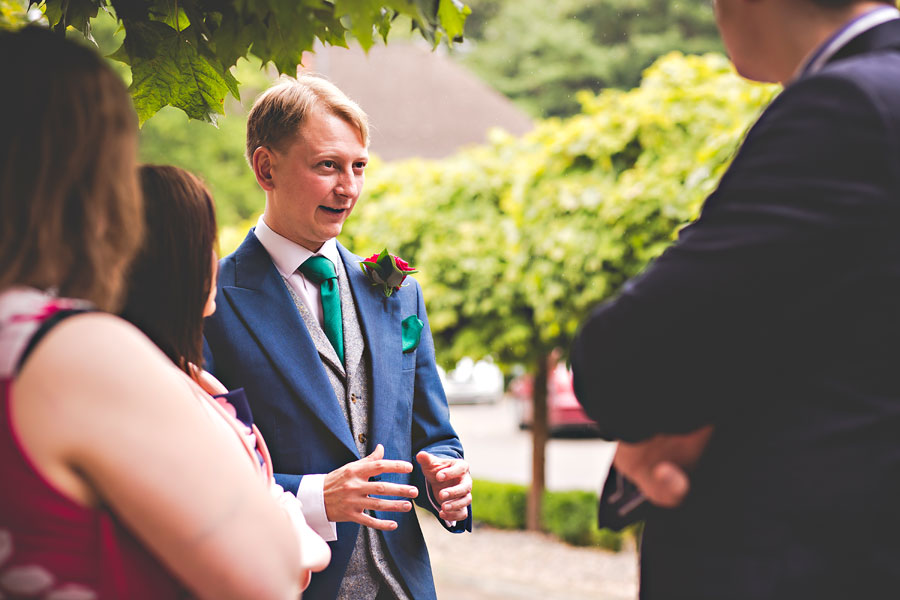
(402, 264)
(387, 271)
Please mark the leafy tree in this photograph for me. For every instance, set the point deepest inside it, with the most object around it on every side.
(518, 239)
(12, 14)
(541, 54)
(181, 53)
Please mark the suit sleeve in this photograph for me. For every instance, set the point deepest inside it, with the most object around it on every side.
(707, 317)
(431, 428)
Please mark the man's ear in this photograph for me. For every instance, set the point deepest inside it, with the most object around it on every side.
(263, 160)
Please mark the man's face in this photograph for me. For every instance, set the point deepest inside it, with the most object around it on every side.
(316, 180)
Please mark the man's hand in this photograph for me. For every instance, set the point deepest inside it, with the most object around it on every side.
(658, 466)
(348, 491)
(450, 483)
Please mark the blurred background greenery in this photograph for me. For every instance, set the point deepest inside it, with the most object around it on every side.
(517, 238)
(636, 113)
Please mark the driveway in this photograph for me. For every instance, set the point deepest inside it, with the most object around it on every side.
(498, 450)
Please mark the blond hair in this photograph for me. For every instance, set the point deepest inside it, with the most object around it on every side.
(279, 112)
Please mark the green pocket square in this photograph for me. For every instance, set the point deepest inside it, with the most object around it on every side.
(412, 329)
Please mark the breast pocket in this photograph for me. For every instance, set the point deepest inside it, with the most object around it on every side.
(409, 360)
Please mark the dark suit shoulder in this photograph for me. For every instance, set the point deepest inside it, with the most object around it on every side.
(834, 126)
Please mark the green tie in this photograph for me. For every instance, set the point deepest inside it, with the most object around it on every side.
(320, 270)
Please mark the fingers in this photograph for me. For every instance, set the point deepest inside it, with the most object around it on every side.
(668, 485)
(381, 488)
(459, 515)
(457, 510)
(370, 521)
(457, 504)
(388, 505)
(377, 454)
(429, 461)
(456, 491)
(454, 470)
(441, 469)
(369, 468)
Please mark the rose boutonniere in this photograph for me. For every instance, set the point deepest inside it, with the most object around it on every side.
(386, 270)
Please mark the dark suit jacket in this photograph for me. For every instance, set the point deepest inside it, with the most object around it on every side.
(776, 316)
(257, 340)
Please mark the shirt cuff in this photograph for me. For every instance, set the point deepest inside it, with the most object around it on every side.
(311, 494)
(431, 499)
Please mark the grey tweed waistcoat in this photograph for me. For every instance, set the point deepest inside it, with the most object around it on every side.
(369, 569)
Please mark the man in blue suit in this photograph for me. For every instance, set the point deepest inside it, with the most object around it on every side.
(754, 367)
(340, 373)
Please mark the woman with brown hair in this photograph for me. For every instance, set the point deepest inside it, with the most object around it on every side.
(171, 288)
(116, 482)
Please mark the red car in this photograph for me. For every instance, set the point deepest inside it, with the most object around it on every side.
(564, 413)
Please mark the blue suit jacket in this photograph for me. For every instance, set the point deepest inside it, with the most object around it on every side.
(776, 317)
(257, 340)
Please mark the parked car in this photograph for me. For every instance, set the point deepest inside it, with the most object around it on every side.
(472, 382)
(564, 414)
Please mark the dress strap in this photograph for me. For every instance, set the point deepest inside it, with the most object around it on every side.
(44, 328)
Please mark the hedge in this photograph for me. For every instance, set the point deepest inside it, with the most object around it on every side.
(570, 516)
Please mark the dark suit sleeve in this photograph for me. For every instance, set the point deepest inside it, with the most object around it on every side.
(681, 341)
(431, 428)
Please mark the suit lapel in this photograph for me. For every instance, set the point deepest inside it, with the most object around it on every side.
(321, 341)
(262, 301)
(380, 326)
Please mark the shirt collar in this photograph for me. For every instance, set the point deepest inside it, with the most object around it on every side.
(288, 255)
(856, 27)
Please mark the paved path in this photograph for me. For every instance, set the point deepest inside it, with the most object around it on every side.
(498, 450)
(491, 564)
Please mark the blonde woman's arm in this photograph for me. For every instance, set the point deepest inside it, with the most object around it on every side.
(106, 418)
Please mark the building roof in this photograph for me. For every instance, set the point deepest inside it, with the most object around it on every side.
(420, 103)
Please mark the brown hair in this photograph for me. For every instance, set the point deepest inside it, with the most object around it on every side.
(171, 277)
(279, 112)
(70, 209)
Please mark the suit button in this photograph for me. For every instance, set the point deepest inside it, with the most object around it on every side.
(362, 438)
(353, 398)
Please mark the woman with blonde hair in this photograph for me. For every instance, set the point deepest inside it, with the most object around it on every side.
(116, 482)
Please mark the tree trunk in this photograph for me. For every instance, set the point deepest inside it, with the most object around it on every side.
(539, 443)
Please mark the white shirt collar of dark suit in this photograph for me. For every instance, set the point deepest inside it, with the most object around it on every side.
(820, 56)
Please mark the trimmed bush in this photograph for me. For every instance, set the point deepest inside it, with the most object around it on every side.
(570, 516)
(500, 505)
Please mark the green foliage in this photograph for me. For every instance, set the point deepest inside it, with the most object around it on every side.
(570, 516)
(13, 14)
(541, 54)
(573, 517)
(182, 53)
(214, 154)
(518, 239)
(500, 505)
